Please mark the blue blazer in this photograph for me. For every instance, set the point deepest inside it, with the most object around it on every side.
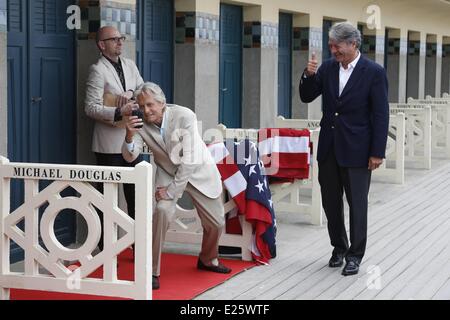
(355, 123)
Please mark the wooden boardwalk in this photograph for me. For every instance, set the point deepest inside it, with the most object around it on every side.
(407, 257)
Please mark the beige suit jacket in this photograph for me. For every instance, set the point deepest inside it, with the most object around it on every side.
(103, 80)
(181, 153)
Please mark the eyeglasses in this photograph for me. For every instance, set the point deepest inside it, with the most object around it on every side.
(115, 39)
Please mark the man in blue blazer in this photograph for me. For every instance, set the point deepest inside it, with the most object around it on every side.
(353, 137)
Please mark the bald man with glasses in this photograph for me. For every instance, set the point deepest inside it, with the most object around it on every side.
(109, 89)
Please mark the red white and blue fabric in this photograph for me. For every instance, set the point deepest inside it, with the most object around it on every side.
(286, 153)
(242, 174)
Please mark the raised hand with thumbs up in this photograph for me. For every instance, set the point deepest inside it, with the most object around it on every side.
(311, 69)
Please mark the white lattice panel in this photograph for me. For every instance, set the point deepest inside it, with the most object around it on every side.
(52, 254)
(417, 135)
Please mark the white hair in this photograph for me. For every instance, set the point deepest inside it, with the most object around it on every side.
(345, 32)
(153, 89)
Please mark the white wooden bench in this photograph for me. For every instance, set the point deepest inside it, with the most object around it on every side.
(58, 277)
(417, 135)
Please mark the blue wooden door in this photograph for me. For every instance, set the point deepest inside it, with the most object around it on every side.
(156, 43)
(327, 24)
(230, 91)
(41, 97)
(285, 65)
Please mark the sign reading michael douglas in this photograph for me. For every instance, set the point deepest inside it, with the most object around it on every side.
(67, 174)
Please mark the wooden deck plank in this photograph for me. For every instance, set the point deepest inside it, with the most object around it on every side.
(383, 240)
(373, 239)
(393, 238)
(409, 225)
(444, 292)
(436, 266)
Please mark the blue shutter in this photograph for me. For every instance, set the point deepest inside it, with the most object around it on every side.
(230, 94)
(326, 54)
(285, 65)
(41, 94)
(157, 43)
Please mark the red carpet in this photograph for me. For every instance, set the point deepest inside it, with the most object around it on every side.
(180, 279)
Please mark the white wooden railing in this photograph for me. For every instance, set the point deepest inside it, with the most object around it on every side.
(394, 153)
(393, 169)
(417, 135)
(59, 277)
(445, 98)
(440, 124)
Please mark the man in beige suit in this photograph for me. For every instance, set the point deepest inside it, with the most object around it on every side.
(183, 164)
(110, 87)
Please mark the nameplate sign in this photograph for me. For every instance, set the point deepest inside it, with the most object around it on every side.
(297, 124)
(406, 110)
(313, 124)
(68, 173)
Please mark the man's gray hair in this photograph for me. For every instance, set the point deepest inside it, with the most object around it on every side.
(153, 89)
(345, 32)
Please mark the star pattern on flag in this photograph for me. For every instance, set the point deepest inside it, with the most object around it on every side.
(260, 186)
(250, 195)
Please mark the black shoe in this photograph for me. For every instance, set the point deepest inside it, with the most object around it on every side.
(336, 261)
(219, 269)
(155, 283)
(351, 268)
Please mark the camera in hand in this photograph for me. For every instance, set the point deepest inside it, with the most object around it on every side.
(138, 113)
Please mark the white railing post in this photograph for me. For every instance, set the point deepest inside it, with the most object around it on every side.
(144, 215)
(427, 138)
(4, 240)
(316, 201)
(400, 149)
(446, 121)
(32, 233)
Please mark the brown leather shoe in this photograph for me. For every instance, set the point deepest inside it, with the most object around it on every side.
(219, 269)
(155, 283)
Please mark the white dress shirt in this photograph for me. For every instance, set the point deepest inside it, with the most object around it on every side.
(344, 74)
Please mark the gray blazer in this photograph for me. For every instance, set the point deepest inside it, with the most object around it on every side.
(181, 153)
(103, 79)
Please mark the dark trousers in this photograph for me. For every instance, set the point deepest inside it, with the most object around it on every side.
(334, 180)
(116, 160)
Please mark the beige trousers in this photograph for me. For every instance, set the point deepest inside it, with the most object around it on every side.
(210, 211)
